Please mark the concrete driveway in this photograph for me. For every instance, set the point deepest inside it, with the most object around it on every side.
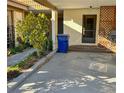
(74, 72)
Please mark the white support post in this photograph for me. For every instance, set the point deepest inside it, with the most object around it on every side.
(54, 28)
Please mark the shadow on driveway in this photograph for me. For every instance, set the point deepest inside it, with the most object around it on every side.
(74, 72)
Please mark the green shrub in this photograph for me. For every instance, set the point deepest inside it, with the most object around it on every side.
(18, 49)
(13, 72)
(21, 64)
(50, 45)
(12, 51)
(15, 50)
(27, 45)
(13, 68)
(35, 54)
(33, 29)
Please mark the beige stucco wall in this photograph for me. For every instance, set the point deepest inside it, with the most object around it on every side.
(73, 24)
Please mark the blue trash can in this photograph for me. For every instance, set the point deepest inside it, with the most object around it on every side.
(63, 43)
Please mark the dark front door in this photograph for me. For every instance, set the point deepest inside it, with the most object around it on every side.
(89, 29)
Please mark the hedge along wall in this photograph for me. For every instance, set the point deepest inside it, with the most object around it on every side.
(106, 26)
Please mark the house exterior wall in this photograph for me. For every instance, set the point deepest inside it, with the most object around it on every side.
(107, 25)
(73, 24)
(16, 15)
(10, 29)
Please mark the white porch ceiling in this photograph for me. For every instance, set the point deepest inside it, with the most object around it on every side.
(67, 4)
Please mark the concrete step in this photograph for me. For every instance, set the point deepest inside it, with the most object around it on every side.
(82, 48)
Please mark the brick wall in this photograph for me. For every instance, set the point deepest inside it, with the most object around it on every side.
(107, 25)
(32, 4)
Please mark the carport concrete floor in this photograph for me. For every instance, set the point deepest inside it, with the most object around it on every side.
(74, 72)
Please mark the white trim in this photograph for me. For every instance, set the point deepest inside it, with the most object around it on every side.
(54, 20)
(53, 28)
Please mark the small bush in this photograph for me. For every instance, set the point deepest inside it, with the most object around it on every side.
(11, 51)
(18, 49)
(50, 45)
(27, 45)
(13, 72)
(35, 54)
(13, 68)
(15, 50)
(21, 64)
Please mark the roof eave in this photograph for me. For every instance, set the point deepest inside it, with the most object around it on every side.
(46, 4)
(18, 5)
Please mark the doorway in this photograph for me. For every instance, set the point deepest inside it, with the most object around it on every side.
(60, 22)
(89, 29)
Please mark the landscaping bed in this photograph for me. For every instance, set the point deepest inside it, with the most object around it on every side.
(16, 70)
(18, 49)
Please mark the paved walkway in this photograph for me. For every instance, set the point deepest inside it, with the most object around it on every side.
(74, 72)
(12, 60)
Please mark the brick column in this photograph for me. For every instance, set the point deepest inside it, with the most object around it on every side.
(107, 25)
